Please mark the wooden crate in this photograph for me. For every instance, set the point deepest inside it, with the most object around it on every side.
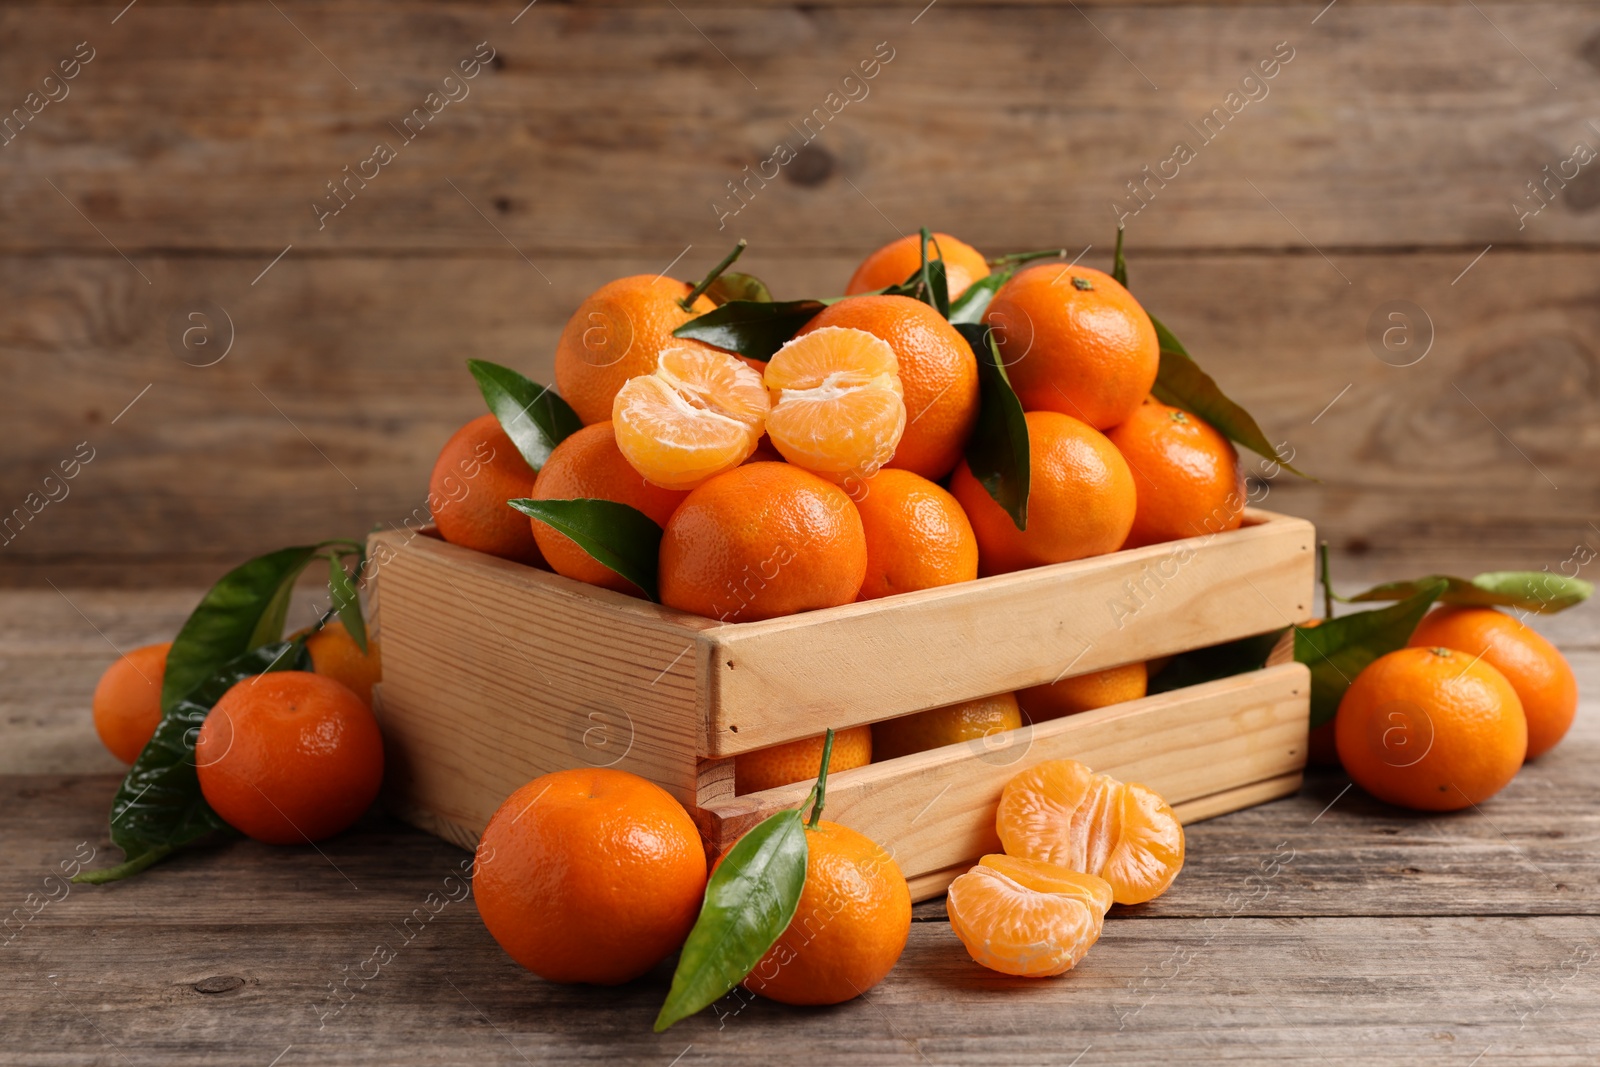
(495, 672)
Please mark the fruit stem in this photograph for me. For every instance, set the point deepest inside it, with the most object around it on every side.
(1327, 585)
(687, 303)
(123, 869)
(821, 789)
(1019, 258)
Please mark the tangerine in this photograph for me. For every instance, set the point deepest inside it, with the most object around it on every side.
(970, 720)
(1026, 918)
(1081, 499)
(898, 260)
(1074, 340)
(335, 654)
(1187, 474)
(800, 761)
(1085, 692)
(917, 535)
(701, 412)
(762, 540)
(1431, 729)
(1535, 668)
(289, 756)
(837, 406)
(127, 700)
(477, 471)
(590, 875)
(938, 376)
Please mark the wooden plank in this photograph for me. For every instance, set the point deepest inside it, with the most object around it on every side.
(1354, 154)
(935, 809)
(775, 680)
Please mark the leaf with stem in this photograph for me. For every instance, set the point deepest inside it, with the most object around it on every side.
(1339, 649)
(687, 303)
(532, 415)
(997, 451)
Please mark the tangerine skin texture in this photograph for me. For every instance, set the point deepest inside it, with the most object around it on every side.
(1091, 353)
(849, 929)
(1186, 473)
(917, 535)
(616, 334)
(902, 257)
(127, 701)
(938, 372)
(289, 757)
(590, 465)
(1430, 729)
(1081, 500)
(1084, 692)
(800, 761)
(1535, 668)
(590, 875)
(334, 654)
(477, 471)
(762, 540)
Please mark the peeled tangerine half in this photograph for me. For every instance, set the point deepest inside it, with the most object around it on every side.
(699, 413)
(1027, 918)
(838, 407)
(1060, 812)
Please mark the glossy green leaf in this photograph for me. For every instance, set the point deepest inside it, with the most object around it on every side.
(532, 415)
(1182, 384)
(159, 807)
(997, 451)
(930, 284)
(346, 600)
(749, 327)
(1538, 591)
(735, 286)
(620, 537)
(1217, 661)
(750, 900)
(1339, 649)
(244, 610)
(973, 303)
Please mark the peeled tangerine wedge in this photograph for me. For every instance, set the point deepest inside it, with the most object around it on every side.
(1027, 918)
(838, 407)
(1060, 812)
(699, 413)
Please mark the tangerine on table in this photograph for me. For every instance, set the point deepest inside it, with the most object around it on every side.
(849, 928)
(1081, 499)
(837, 406)
(1432, 729)
(1085, 692)
(917, 535)
(938, 375)
(699, 413)
(800, 761)
(1535, 668)
(127, 700)
(1060, 812)
(335, 654)
(762, 540)
(477, 471)
(1074, 340)
(289, 756)
(616, 334)
(589, 465)
(901, 258)
(1186, 474)
(970, 720)
(590, 875)
(1027, 918)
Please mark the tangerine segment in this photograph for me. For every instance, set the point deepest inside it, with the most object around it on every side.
(699, 413)
(838, 405)
(1051, 878)
(1062, 813)
(1016, 929)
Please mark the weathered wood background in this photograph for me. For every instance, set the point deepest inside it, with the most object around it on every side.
(1384, 160)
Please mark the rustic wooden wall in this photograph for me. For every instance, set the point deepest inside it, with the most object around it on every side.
(1384, 159)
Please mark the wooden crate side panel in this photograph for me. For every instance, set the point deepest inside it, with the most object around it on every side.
(494, 673)
(935, 810)
(794, 677)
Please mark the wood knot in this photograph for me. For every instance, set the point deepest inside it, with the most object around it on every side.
(218, 983)
(812, 165)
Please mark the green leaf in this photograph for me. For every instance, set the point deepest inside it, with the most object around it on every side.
(750, 900)
(750, 327)
(532, 415)
(244, 610)
(347, 600)
(997, 451)
(159, 807)
(620, 537)
(736, 286)
(1217, 661)
(974, 301)
(930, 284)
(1339, 649)
(1181, 383)
(1119, 266)
(1538, 591)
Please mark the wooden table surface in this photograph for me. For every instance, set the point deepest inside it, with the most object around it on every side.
(1322, 929)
